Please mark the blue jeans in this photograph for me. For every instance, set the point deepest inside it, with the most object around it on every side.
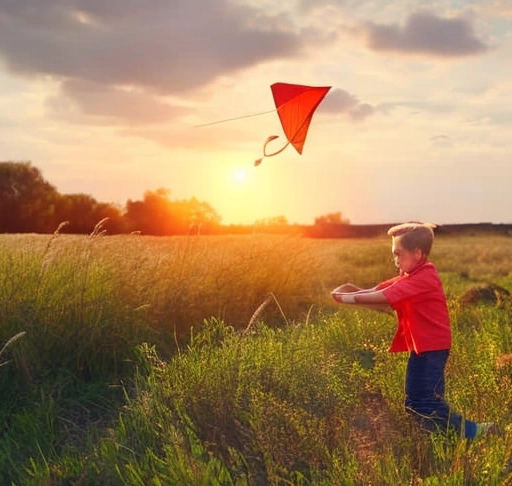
(424, 394)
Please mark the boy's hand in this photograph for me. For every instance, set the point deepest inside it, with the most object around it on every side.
(336, 297)
(343, 298)
(346, 289)
(344, 293)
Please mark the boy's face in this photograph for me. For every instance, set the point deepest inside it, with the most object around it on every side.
(405, 260)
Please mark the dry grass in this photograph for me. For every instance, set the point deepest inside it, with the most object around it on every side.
(295, 384)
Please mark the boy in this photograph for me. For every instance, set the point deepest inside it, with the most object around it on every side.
(418, 298)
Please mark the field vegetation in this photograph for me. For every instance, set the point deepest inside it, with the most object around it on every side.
(223, 361)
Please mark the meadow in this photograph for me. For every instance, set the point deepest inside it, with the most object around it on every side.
(223, 361)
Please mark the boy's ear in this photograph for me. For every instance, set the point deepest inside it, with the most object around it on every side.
(419, 253)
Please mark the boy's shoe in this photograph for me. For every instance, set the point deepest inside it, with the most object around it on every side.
(485, 428)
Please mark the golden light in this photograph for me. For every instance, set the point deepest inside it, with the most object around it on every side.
(240, 176)
(242, 193)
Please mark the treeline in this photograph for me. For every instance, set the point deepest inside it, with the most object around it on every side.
(30, 204)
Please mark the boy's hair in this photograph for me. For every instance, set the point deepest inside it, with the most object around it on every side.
(415, 235)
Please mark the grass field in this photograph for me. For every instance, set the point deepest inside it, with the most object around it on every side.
(224, 361)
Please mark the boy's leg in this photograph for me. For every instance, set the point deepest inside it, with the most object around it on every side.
(424, 389)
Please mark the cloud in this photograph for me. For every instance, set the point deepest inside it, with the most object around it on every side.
(441, 141)
(501, 8)
(340, 101)
(157, 47)
(426, 33)
(81, 101)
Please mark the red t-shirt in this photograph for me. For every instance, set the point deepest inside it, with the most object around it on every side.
(420, 303)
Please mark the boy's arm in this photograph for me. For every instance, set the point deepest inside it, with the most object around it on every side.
(367, 298)
(346, 289)
(349, 288)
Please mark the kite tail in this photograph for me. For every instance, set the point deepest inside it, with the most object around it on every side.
(265, 154)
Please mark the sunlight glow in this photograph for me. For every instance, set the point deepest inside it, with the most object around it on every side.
(240, 176)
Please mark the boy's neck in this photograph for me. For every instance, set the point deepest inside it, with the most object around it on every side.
(421, 262)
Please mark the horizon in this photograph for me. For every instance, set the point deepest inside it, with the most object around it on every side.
(108, 100)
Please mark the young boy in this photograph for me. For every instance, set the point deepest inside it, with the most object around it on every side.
(418, 298)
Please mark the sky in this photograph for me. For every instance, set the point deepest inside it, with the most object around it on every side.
(115, 98)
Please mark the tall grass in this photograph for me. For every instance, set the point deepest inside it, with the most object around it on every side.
(153, 361)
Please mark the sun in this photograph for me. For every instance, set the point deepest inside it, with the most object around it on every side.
(240, 176)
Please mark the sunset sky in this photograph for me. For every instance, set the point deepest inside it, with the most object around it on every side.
(105, 98)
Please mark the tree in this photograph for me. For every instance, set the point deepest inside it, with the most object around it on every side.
(331, 219)
(193, 216)
(82, 213)
(27, 200)
(149, 216)
(331, 225)
(276, 221)
(156, 214)
(116, 222)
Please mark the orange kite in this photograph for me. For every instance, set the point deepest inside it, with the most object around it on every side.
(295, 105)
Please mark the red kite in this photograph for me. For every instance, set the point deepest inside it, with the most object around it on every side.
(295, 105)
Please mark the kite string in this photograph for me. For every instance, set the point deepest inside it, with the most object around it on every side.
(234, 118)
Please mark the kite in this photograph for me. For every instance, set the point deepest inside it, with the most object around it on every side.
(295, 106)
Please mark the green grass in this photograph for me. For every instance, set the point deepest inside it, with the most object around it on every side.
(223, 361)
